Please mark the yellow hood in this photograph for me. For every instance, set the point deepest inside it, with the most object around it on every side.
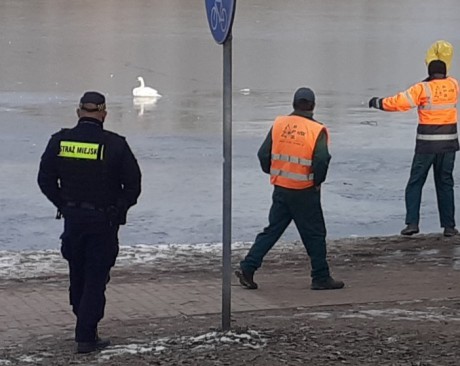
(440, 50)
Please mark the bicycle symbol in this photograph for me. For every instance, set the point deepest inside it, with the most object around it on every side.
(219, 16)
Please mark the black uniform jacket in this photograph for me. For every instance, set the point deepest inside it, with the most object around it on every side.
(88, 166)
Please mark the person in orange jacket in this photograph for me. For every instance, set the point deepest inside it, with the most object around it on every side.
(436, 144)
(295, 154)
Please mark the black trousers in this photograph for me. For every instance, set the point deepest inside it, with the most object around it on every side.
(304, 208)
(91, 250)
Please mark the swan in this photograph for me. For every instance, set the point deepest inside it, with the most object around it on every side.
(145, 91)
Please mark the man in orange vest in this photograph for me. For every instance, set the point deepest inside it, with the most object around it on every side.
(436, 143)
(295, 154)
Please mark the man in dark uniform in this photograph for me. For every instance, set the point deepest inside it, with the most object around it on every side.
(295, 154)
(92, 177)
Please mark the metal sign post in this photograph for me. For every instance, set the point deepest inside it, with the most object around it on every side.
(220, 18)
(227, 188)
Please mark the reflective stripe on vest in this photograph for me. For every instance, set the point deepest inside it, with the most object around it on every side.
(291, 159)
(409, 99)
(437, 137)
(293, 176)
(429, 106)
(438, 107)
(81, 150)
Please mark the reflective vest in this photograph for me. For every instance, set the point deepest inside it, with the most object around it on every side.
(436, 102)
(294, 140)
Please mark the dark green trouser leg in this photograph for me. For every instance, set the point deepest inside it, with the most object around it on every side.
(419, 171)
(279, 219)
(304, 207)
(444, 182)
(308, 217)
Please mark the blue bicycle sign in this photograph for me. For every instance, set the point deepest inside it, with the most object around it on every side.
(220, 18)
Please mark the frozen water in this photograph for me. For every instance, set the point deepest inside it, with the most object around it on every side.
(52, 52)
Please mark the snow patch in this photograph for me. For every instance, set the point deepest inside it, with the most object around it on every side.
(431, 314)
(401, 314)
(42, 263)
(30, 359)
(249, 338)
(457, 258)
(317, 315)
(354, 315)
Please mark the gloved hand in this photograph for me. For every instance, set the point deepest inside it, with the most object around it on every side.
(374, 102)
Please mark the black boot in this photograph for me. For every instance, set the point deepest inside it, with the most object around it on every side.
(246, 279)
(410, 229)
(450, 231)
(327, 283)
(87, 347)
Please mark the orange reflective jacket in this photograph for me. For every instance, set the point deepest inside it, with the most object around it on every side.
(436, 102)
(294, 139)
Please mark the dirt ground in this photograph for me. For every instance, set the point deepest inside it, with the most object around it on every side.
(422, 331)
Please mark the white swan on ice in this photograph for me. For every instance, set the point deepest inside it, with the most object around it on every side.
(145, 91)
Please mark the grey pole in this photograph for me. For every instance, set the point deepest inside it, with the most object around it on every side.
(227, 187)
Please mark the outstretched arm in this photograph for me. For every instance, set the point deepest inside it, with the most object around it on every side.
(400, 102)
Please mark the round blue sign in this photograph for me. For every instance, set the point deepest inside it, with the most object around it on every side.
(220, 18)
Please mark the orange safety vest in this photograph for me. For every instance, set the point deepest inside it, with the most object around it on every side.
(294, 140)
(436, 102)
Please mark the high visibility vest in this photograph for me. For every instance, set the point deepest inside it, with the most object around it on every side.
(293, 143)
(436, 102)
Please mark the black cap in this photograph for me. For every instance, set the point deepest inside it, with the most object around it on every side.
(305, 94)
(437, 67)
(95, 98)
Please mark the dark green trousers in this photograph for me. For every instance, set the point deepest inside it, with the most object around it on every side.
(304, 208)
(443, 165)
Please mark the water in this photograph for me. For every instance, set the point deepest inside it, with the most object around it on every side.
(347, 51)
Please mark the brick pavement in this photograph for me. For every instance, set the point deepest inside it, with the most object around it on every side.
(41, 308)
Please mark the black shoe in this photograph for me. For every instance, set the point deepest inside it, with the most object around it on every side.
(98, 344)
(327, 283)
(410, 229)
(246, 279)
(450, 231)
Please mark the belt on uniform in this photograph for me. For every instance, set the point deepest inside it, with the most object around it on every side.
(84, 206)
